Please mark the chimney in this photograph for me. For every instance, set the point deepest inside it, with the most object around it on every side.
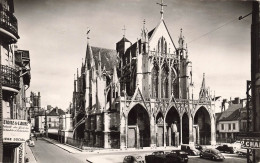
(237, 100)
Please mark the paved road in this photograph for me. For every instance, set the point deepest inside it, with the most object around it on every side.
(118, 157)
(46, 152)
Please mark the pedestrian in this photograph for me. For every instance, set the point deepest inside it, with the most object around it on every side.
(36, 137)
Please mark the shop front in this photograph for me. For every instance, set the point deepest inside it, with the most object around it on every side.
(15, 134)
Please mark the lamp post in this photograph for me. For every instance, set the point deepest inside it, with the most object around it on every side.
(46, 126)
(1, 114)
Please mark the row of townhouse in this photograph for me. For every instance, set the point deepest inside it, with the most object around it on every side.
(15, 80)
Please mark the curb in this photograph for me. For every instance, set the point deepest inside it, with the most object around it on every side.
(56, 145)
(31, 153)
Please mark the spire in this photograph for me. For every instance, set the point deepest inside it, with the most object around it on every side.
(203, 82)
(181, 40)
(99, 64)
(144, 34)
(161, 4)
(77, 73)
(204, 92)
(89, 60)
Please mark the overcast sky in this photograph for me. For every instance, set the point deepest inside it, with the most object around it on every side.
(54, 31)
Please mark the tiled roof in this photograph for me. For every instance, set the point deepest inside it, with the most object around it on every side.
(230, 110)
(217, 116)
(150, 33)
(54, 113)
(108, 57)
(233, 116)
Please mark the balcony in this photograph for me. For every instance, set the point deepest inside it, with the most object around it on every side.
(8, 22)
(10, 77)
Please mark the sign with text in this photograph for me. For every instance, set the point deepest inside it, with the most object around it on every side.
(15, 130)
(253, 143)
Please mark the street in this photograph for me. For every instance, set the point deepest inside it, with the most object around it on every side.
(48, 152)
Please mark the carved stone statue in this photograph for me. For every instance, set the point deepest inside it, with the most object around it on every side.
(175, 134)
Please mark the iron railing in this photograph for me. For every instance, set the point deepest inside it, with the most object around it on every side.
(10, 77)
(8, 21)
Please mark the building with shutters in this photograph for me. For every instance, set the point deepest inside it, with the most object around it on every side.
(140, 95)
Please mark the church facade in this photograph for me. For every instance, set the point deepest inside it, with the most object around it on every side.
(140, 95)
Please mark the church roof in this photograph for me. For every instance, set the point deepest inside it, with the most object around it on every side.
(124, 40)
(108, 57)
(151, 33)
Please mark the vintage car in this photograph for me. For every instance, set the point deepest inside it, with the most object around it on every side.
(199, 147)
(31, 143)
(163, 157)
(180, 155)
(225, 148)
(190, 150)
(213, 154)
(133, 159)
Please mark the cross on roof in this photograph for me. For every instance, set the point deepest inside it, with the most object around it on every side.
(161, 4)
(124, 29)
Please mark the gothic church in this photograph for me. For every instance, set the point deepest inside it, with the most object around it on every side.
(140, 95)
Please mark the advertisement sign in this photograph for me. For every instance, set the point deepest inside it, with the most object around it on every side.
(15, 130)
(253, 143)
(20, 154)
(249, 140)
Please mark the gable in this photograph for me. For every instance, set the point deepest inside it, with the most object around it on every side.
(161, 31)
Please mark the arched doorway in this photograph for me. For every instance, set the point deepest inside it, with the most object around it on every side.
(172, 127)
(202, 127)
(159, 130)
(185, 128)
(138, 128)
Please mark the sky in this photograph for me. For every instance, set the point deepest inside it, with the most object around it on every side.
(54, 31)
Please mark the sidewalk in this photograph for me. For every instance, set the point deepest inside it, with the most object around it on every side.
(66, 147)
(72, 149)
(29, 155)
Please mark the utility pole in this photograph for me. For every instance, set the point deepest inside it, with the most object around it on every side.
(46, 126)
(255, 74)
(1, 113)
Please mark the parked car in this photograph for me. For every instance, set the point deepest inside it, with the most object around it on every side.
(163, 157)
(31, 143)
(156, 157)
(199, 147)
(190, 150)
(133, 159)
(213, 154)
(180, 155)
(225, 148)
(236, 145)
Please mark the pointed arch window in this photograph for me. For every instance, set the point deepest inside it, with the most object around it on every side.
(164, 82)
(174, 83)
(162, 46)
(155, 81)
